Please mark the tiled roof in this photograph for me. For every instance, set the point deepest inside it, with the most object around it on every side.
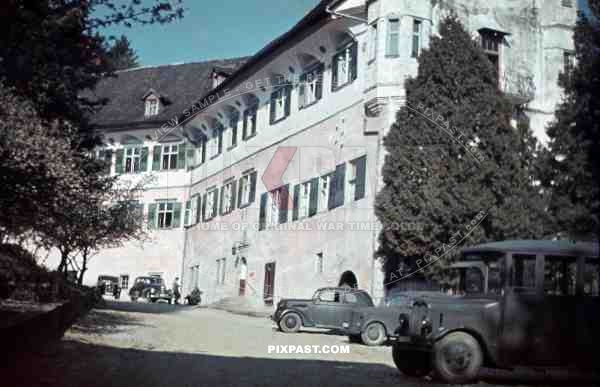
(177, 85)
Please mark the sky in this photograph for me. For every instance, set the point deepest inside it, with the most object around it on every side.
(216, 29)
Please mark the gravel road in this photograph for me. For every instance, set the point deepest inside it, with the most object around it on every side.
(130, 345)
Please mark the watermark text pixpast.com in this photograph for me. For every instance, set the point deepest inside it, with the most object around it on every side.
(308, 349)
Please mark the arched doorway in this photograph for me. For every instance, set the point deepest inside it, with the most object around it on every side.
(348, 279)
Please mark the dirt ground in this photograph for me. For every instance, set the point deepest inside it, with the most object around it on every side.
(129, 345)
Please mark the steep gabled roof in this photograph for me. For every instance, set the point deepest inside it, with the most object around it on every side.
(179, 84)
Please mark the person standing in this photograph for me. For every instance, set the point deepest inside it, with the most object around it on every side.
(176, 292)
(243, 274)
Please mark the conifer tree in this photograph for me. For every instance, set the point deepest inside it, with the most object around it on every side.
(454, 163)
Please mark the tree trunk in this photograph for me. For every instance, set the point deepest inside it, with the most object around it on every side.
(84, 256)
(64, 257)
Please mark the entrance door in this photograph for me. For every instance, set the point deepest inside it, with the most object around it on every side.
(269, 283)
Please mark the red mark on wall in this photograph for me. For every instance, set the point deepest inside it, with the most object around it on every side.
(272, 178)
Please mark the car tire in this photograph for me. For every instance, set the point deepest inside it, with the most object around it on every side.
(355, 339)
(373, 334)
(411, 363)
(134, 296)
(290, 322)
(457, 358)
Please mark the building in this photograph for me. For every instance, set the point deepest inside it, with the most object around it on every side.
(282, 150)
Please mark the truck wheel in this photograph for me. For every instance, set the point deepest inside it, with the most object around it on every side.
(373, 334)
(411, 363)
(290, 322)
(457, 358)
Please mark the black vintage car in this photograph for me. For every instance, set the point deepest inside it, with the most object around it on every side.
(107, 284)
(469, 274)
(328, 308)
(150, 288)
(544, 311)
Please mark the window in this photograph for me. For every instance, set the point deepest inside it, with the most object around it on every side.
(393, 38)
(124, 280)
(132, 160)
(214, 143)
(416, 38)
(246, 189)
(524, 271)
(165, 214)
(228, 198)
(329, 295)
(568, 62)
(373, 41)
(356, 179)
(151, 107)
(319, 263)
(324, 191)
(232, 131)
(559, 276)
(280, 103)
(311, 86)
(169, 157)
(344, 66)
(249, 129)
(105, 155)
(221, 267)
(274, 207)
(187, 218)
(490, 42)
(304, 199)
(210, 204)
(591, 277)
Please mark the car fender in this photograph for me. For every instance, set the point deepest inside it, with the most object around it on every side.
(370, 320)
(489, 351)
(305, 321)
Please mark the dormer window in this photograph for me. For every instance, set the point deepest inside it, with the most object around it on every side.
(151, 106)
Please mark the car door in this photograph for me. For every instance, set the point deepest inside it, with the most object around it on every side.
(327, 307)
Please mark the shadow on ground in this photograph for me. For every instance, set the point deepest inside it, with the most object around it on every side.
(105, 322)
(73, 363)
(143, 307)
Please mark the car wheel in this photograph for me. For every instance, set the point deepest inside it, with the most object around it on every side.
(457, 358)
(373, 334)
(134, 296)
(354, 339)
(411, 363)
(290, 322)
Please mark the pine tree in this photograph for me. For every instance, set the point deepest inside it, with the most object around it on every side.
(121, 56)
(452, 159)
(570, 167)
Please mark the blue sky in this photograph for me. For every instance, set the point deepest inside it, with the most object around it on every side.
(217, 29)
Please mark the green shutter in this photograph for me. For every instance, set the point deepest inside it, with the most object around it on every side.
(252, 187)
(319, 75)
(181, 156)
(221, 200)
(313, 205)
(233, 193)
(296, 202)
(176, 215)
(152, 215)
(156, 157)
(262, 215)
(198, 209)
(144, 160)
(339, 181)
(360, 182)
(301, 89)
(216, 200)
(284, 197)
(239, 193)
(234, 125)
(119, 162)
(353, 61)
(288, 100)
(272, 107)
(186, 216)
(220, 141)
(245, 125)
(204, 207)
(334, 69)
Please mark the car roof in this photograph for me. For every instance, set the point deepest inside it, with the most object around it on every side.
(546, 247)
(342, 289)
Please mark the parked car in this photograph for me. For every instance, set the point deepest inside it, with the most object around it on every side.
(543, 311)
(328, 308)
(107, 283)
(150, 288)
(398, 300)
